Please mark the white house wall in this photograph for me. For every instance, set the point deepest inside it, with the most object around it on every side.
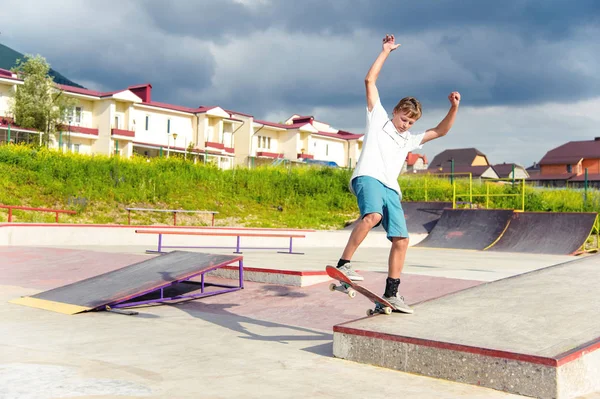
(158, 125)
(6, 93)
(330, 150)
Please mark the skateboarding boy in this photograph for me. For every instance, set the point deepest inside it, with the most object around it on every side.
(375, 178)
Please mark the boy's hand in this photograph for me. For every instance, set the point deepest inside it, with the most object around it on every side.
(389, 43)
(454, 98)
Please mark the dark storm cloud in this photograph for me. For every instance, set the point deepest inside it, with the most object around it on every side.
(495, 53)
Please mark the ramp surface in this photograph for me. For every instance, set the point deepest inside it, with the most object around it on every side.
(421, 216)
(126, 283)
(467, 228)
(536, 334)
(557, 233)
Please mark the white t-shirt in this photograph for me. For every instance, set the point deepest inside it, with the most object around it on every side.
(384, 149)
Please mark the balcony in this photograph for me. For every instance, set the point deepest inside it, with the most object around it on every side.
(268, 154)
(122, 132)
(229, 150)
(80, 129)
(306, 156)
(213, 144)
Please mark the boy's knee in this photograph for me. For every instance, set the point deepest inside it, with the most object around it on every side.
(372, 219)
(400, 242)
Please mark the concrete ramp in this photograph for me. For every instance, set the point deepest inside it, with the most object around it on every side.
(467, 228)
(536, 334)
(146, 281)
(421, 216)
(557, 233)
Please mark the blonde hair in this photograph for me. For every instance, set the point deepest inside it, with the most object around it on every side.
(410, 106)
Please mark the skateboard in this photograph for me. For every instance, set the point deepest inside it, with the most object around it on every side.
(350, 288)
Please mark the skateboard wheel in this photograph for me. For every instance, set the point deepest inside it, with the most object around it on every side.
(370, 312)
(387, 310)
(332, 287)
(351, 293)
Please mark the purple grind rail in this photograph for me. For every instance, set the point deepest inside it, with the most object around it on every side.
(238, 247)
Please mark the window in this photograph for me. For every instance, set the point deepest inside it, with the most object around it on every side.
(168, 126)
(569, 169)
(147, 122)
(326, 149)
(264, 142)
(76, 148)
(78, 111)
(116, 126)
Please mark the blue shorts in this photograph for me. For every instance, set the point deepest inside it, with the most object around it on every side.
(374, 197)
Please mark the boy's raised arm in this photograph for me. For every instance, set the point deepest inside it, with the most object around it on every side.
(446, 124)
(389, 45)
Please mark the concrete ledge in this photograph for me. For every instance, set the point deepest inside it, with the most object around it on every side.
(536, 334)
(271, 276)
(567, 377)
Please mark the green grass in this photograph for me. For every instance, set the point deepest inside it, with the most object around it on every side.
(100, 188)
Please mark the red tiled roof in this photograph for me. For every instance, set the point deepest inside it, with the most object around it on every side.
(412, 158)
(572, 152)
(235, 113)
(340, 135)
(78, 90)
(280, 125)
(172, 107)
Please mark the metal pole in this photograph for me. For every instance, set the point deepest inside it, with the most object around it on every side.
(513, 175)
(471, 189)
(585, 187)
(8, 139)
(452, 171)
(523, 196)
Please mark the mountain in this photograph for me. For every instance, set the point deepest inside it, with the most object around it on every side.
(9, 57)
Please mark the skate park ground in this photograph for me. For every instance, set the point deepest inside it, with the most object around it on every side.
(265, 341)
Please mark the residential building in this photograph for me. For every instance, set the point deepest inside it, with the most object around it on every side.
(570, 164)
(129, 121)
(510, 171)
(462, 162)
(414, 162)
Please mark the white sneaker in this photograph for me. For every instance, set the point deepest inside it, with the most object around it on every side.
(348, 271)
(399, 304)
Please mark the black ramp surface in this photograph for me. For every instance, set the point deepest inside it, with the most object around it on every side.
(132, 280)
(421, 216)
(557, 233)
(467, 228)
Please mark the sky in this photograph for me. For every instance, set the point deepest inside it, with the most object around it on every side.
(527, 70)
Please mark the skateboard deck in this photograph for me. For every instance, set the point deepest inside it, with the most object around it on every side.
(351, 288)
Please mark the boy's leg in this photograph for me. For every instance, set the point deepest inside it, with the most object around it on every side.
(397, 232)
(369, 195)
(359, 233)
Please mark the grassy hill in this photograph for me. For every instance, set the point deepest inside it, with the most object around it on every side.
(9, 57)
(100, 188)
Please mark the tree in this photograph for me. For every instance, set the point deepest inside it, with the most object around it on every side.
(38, 103)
